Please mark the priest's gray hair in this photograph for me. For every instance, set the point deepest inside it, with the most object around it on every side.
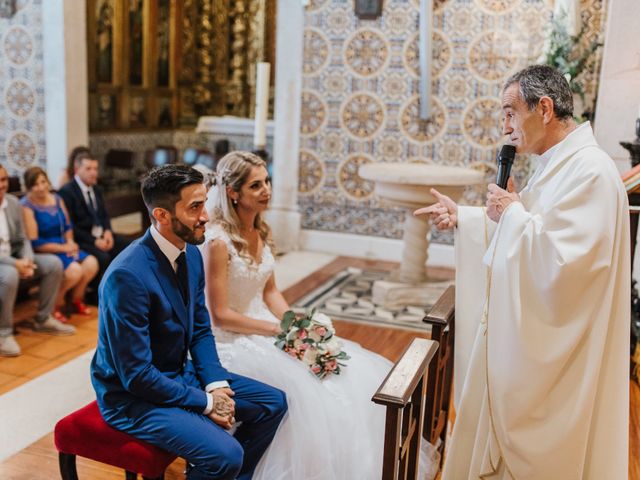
(537, 81)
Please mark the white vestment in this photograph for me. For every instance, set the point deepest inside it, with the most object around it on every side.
(546, 390)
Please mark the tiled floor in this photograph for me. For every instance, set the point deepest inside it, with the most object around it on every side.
(42, 353)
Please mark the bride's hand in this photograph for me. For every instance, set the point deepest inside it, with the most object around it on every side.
(276, 330)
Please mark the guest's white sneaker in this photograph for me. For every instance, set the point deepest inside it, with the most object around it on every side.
(52, 326)
(9, 347)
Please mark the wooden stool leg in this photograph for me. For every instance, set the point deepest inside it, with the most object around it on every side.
(67, 464)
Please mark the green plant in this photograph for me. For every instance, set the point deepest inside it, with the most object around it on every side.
(569, 54)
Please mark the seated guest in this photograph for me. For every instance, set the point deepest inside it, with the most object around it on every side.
(156, 371)
(18, 262)
(91, 224)
(47, 225)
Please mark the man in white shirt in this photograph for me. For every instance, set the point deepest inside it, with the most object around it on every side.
(156, 370)
(18, 262)
(542, 304)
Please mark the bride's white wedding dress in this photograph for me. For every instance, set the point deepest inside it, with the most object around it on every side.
(332, 431)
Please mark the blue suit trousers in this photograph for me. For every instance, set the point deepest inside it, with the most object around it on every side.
(210, 449)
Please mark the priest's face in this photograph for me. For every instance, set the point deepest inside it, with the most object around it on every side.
(525, 128)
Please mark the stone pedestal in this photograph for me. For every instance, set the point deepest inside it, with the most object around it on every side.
(408, 185)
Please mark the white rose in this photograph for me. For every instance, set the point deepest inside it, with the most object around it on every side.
(293, 334)
(334, 346)
(310, 356)
(314, 336)
(322, 319)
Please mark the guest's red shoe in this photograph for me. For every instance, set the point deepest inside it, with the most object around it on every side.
(81, 308)
(58, 315)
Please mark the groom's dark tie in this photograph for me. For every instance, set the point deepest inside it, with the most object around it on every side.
(183, 277)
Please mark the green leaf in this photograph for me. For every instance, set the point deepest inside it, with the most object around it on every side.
(305, 323)
(287, 319)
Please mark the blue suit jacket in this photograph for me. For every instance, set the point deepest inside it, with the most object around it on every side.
(146, 331)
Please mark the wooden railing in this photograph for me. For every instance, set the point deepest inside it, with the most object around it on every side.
(439, 388)
(403, 393)
(417, 394)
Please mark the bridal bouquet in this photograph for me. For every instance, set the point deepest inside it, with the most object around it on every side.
(311, 339)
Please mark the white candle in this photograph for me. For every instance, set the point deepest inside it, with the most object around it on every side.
(262, 104)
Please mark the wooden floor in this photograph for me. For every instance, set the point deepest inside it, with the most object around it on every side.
(43, 353)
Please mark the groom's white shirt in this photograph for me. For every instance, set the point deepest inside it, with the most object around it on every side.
(172, 252)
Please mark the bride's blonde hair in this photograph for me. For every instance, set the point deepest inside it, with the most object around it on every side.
(232, 171)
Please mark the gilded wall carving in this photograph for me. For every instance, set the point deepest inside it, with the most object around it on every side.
(360, 97)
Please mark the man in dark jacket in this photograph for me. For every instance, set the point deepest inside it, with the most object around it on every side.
(91, 224)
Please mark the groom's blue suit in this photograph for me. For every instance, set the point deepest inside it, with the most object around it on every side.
(147, 386)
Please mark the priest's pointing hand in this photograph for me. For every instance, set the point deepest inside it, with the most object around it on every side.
(443, 214)
(498, 200)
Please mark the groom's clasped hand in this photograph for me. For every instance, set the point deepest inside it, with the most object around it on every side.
(223, 412)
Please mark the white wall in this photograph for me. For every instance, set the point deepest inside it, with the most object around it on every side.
(65, 80)
(619, 92)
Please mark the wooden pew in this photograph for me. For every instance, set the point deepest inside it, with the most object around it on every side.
(403, 393)
(417, 394)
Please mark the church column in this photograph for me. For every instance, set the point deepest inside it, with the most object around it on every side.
(65, 80)
(284, 216)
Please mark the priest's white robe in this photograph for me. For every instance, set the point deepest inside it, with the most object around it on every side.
(546, 390)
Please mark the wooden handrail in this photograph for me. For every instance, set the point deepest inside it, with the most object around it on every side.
(438, 399)
(397, 387)
(444, 309)
(403, 392)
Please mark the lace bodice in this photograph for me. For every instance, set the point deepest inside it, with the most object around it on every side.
(245, 281)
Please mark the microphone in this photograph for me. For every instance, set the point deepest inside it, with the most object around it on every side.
(505, 161)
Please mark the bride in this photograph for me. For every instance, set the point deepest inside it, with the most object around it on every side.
(333, 430)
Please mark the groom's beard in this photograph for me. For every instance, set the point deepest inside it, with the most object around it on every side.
(187, 233)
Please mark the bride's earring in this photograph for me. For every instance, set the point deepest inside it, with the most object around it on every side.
(235, 202)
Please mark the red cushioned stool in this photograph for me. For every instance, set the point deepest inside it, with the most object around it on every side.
(85, 433)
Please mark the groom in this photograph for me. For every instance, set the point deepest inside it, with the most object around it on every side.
(156, 370)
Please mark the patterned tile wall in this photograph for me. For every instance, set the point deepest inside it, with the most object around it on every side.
(22, 121)
(360, 97)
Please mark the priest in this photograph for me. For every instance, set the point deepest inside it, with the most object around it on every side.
(542, 303)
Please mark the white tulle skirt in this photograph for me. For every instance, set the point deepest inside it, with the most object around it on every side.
(332, 430)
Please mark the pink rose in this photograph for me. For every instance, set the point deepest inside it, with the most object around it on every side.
(302, 334)
(321, 331)
(331, 365)
(316, 369)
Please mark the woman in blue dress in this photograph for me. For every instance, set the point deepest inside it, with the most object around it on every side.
(47, 225)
